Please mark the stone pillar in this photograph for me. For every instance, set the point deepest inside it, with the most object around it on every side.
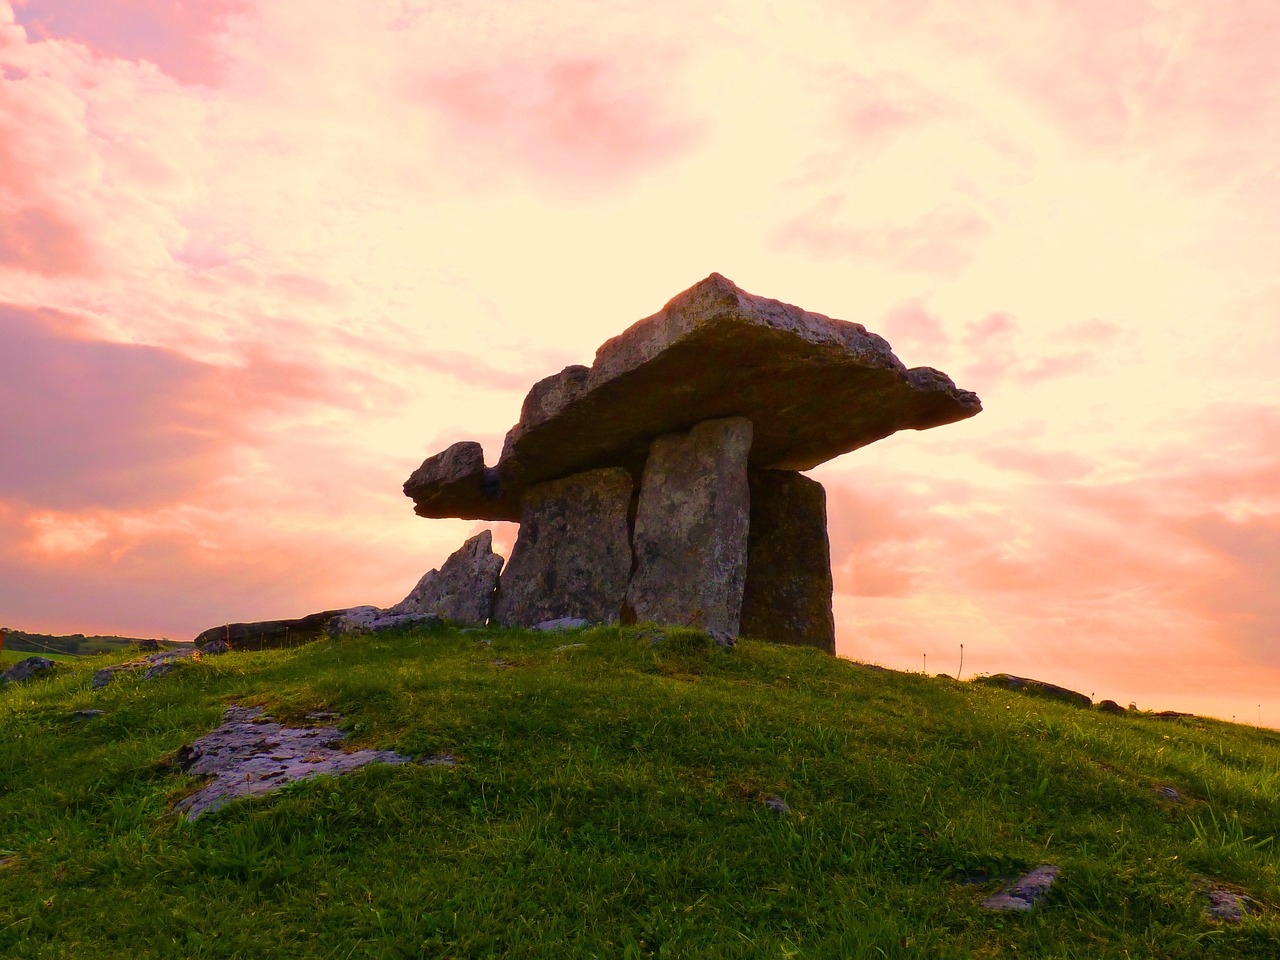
(787, 597)
(573, 554)
(690, 540)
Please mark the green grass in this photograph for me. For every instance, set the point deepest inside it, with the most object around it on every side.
(609, 803)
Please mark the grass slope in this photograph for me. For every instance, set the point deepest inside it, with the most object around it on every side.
(609, 803)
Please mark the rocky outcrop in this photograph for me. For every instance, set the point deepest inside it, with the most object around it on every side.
(462, 589)
(800, 387)
(572, 557)
(358, 621)
(1024, 892)
(28, 669)
(787, 597)
(249, 755)
(691, 529)
(270, 634)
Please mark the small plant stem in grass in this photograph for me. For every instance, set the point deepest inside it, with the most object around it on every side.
(961, 670)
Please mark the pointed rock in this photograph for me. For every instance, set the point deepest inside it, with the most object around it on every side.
(462, 589)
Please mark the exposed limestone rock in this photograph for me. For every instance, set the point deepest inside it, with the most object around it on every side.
(573, 553)
(248, 755)
(270, 634)
(1025, 892)
(562, 624)
(369, 619)
(813, 387)
(691, 529)
(151, 666)
(787, 596)
(27, 669)
(462, 589)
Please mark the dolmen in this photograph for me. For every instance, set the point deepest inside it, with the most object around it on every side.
(663, 482)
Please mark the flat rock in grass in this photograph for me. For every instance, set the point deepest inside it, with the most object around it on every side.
(151, 666)
(1225, 905)
(1037, 687)
(270, 634)
(561, 624)
(1024, 892)
(462, 589)
(690, 539)
(813, 386)
(358, 621)
(247, 755)
(28, 669)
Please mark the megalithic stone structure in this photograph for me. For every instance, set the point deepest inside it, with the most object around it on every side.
(702, 414)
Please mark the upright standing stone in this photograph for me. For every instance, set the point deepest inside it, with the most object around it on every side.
(690, 539)
(462, 589)
(787, 597)
(573, 554)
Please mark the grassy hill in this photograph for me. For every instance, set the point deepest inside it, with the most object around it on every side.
(75, 644)
(617, 799)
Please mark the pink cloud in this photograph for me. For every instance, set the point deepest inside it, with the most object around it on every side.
(180, 38)
(122, 425)
(572, 122)
(939, 242)
(42, 241)
(912, 325)
(1042, 465)
(875, 108)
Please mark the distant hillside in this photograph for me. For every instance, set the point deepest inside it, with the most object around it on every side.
(75, 644)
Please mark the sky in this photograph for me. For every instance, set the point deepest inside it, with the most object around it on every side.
(259, 259)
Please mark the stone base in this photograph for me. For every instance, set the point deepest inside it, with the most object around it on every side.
(787, 597)
(690, 538)
(572, 556)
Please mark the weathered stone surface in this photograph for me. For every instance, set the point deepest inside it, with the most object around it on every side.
(813, 387)
(573, 554)
(269, 634)
(249, 755)
(462, 589)
(27, 669)
(561, 624)
(152, 666)
(369, 619)
(690, 539)
(455, 483)
(787, 596)
(1025, 892)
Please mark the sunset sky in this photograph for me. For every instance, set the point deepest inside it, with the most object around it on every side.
(259, 259)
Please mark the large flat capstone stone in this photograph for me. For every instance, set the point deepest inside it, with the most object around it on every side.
(691, 526)
(812, 386)
(787, 596)
(572, 556)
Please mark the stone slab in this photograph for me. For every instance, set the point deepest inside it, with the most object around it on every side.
(572, 556)
(690, 540)
(787, 596)
(814, 388)
(270, 634)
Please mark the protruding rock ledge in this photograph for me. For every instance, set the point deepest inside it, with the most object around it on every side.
(813, 387)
